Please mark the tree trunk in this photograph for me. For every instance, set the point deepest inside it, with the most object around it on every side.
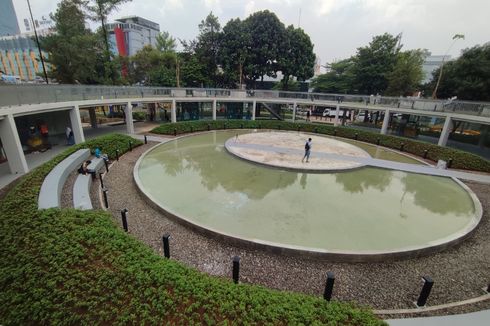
(434, 94)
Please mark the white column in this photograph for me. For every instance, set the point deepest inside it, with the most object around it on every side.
(214, 109)
(12, 146)
(336, 120)
(129, 118)
(294, 111)
(386, 121)
(445, 132)
(76, 125)
(173, 111)
(254, 107)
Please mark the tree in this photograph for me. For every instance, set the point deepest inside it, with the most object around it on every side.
(207, 45)
(234, 51)
(297, 58)
(99, 10)
(152, 67)
(268, 36)
(75, 53)
(339, 79)
(373, 63)
(407, 74)
(165, 42)
(468, 77)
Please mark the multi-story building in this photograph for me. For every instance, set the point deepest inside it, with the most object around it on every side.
(431, 63)
(130, 34)
(8, 19)
(19, 56)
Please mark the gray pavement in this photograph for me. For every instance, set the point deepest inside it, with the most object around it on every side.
(480, 318)
(415, 168)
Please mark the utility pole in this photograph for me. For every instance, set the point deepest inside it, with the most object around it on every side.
(37, 42)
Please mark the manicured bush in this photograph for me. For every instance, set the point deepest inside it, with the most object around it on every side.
(461, 159)
(64, 266)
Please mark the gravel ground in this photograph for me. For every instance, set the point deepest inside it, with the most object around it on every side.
(67, 193)
(459, 273)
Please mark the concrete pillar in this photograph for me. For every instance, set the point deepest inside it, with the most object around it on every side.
(215, 104)
(12, 146)
(254, 107)
(445, 132)
(386, 121)
(93, 117)
(294, 111)
(173, 111)
(336, 120)
(76, 125)
(128, 111)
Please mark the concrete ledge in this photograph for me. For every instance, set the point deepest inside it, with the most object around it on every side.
(81, 188)
(50, 193)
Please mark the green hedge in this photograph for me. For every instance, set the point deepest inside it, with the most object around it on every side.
(461, 159)
(64, 266)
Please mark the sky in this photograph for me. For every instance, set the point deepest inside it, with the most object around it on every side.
(336, 27)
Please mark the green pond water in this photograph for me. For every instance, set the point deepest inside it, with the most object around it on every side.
(367, 209)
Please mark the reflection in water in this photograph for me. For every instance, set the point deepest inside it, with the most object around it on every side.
(440, 201)
(362, 179)
(302, 181)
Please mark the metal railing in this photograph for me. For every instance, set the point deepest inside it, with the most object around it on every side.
(14, 95)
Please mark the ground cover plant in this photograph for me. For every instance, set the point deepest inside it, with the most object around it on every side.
(460, 159)
(65, 266)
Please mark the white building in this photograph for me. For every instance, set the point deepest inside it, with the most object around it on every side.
(431, 63)
(130, 34)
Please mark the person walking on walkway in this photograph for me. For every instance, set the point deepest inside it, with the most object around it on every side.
(307, 151)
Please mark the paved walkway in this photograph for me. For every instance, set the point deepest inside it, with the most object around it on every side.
(480, 318)
(415, 168)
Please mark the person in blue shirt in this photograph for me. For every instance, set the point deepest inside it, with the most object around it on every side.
(307, 151)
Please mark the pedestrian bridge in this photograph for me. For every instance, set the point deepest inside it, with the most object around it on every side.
(25, 100)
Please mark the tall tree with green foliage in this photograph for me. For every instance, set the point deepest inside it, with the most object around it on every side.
(165, 42)
(152, 67)
(375, 62)
(234, 51)
(207, 45)
(339, 79)
(75, 53)
(468, 77)
(268, 35)
(407, 74)
(99, 10)
(297, 58)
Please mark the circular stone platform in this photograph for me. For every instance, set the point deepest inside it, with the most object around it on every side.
(286, 149)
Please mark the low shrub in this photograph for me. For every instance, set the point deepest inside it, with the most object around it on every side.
(461, 159)
(64, 266)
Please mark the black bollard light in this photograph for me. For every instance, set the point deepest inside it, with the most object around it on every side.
(327, 294)
(236, 269)
(299, 128)
(335, 132)
(449, 163)
(106, 163)
(316, 130)
(356, 136)
(124, 219)
(209, 127)
(402, 146)
(130, 146)
(166, 246)
(117, 154)
(175, 132)
(146, 140)
(424, 294)
(378, 141)
(425, 153)
(101, 180)
(106, 202)
(241, 125)
(488, 288)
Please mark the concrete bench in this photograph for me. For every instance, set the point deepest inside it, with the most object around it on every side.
(50, 194)
(81, 188)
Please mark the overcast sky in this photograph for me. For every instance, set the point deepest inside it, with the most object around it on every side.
(336, 27)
